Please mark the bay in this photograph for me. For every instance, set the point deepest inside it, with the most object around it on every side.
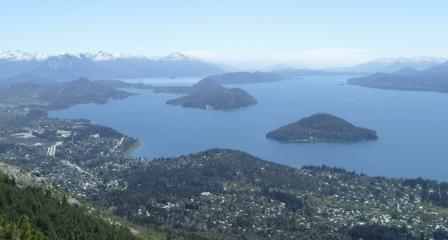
(412, 126)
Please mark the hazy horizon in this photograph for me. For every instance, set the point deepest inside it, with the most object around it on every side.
(259, 34)
(249, 62)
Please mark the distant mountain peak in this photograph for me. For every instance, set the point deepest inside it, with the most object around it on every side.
(63, 61)
(17, 55)
(177, 56)
(207, 85)
(103, 56)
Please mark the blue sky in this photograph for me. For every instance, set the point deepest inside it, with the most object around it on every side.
(276, 31)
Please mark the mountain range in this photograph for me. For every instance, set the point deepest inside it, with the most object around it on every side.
(431, 79)
(389, 65)
(18, 67)
(101, 65)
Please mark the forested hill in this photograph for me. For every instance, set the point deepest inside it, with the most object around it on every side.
(59, 95)
(432, 79)
(210, 95)
(33, 213)
(226, 194)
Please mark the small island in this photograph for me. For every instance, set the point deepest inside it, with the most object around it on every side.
(322, 127)
(210, 95)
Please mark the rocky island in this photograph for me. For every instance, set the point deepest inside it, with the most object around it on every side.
(322, 127)
(210, 95)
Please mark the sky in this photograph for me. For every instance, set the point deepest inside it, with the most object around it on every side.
(235, 32)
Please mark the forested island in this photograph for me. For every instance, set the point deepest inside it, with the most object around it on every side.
(433, 79)
(210, 95)
(322, 127)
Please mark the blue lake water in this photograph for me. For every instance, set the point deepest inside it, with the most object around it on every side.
(412, 126)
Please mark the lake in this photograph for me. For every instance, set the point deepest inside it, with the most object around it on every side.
(412, 126)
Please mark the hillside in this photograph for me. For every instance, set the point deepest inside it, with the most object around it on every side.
(32, 213)
(226, 194)
(59, 95)
(321, 127)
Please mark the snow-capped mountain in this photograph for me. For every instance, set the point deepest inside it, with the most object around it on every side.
(17, 55)
(69, 67)
(177, 56)
(65, 61)
(103, 56)
(101, 65)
